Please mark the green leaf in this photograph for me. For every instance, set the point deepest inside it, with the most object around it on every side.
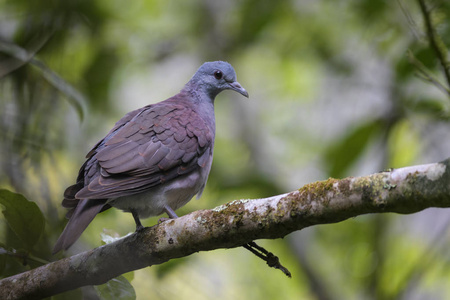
(429, 106)
(427, 57)
(346, 151)
(70, 295)
(129, 276)
(117, 288)
(23, 217)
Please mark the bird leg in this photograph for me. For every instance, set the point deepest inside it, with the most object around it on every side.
(139, 226)
(169, 211)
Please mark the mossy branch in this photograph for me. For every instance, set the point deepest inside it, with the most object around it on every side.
(405, 190)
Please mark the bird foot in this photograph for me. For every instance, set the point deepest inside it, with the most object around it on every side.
(139, 226)
(163, 220)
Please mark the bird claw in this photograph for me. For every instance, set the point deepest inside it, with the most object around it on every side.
(163, 220)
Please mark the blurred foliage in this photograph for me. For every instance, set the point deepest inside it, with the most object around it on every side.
(117, 288)
(349, 148)
(23, 217)
(336, 89)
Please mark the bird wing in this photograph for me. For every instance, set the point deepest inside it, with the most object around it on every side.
(159, 143)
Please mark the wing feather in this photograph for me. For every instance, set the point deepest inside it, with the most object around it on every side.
(160, 143)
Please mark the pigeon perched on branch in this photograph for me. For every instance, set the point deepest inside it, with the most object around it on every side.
(154, 160)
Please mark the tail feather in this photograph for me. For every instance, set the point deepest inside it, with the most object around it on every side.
(71, 191)
(70, 201)
(82, 215)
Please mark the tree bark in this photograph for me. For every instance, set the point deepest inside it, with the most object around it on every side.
(406, 190)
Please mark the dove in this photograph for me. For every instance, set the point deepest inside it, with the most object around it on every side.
(154, 160)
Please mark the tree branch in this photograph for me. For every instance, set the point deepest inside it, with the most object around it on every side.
(425, 74)
(405, 190)
(436, 43)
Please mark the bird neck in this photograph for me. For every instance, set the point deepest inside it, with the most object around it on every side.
(203, 103)
(202, 90)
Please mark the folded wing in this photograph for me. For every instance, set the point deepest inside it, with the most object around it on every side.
(160, 143)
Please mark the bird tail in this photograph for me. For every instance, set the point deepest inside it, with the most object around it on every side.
(80, 218)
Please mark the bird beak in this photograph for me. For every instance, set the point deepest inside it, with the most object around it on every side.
(235, 86)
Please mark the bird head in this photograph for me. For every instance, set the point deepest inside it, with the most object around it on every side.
(215, 77)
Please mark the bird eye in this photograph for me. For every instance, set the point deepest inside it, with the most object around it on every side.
(218, 74)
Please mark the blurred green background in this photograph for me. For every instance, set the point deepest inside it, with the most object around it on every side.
(336, 89)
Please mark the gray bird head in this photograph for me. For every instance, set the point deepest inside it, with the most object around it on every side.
(215, 77)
